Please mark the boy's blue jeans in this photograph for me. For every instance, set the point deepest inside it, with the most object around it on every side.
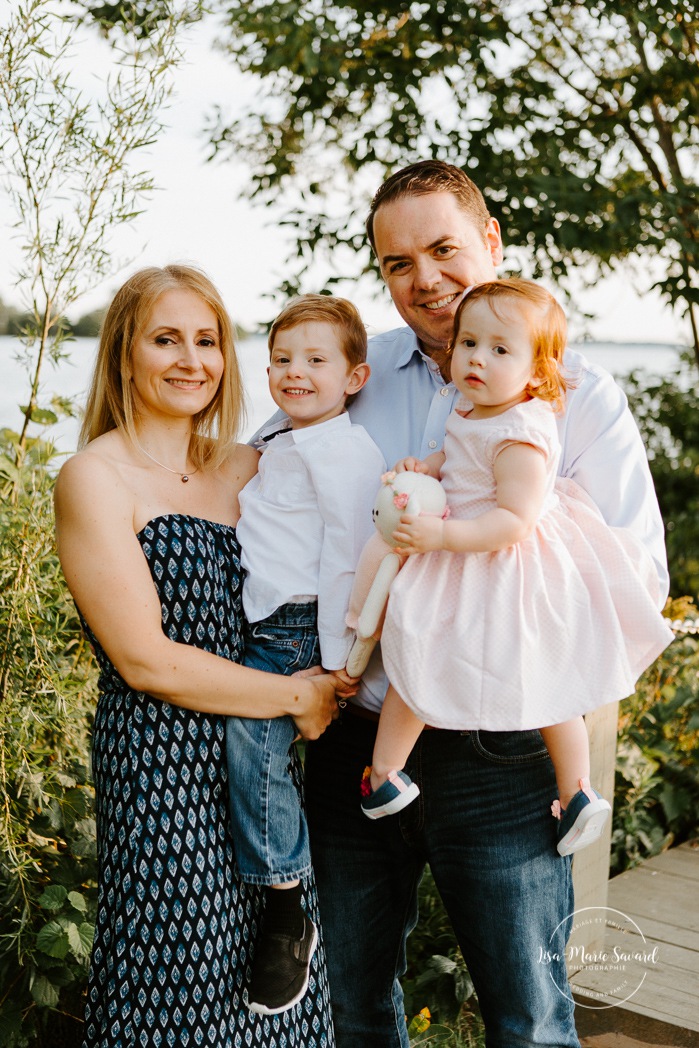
(269, 825)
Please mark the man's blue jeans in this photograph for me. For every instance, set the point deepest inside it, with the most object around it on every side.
(483, 823)
(269, 826)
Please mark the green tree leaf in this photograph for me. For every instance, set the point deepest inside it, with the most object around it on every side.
(10, 1022)
(44, 416)
(77, 901)
(53, 897)
(53, 940)
(44, 992)
(578, 120)
(80, 938)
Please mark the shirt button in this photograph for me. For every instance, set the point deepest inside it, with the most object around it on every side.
(432, 444)
(444, 392)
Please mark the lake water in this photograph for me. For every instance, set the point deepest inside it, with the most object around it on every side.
(71, 378)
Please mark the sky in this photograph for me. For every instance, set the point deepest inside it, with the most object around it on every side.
(198, 215)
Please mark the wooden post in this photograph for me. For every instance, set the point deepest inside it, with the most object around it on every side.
(591, 865)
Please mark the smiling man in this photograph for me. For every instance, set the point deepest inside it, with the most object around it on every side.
(481, 821)
(429, 252)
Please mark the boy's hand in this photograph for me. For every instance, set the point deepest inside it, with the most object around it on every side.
(419, 534)
(431, 466)
(347, 686)
(410, 465)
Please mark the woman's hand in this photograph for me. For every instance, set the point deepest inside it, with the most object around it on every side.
(315, 705)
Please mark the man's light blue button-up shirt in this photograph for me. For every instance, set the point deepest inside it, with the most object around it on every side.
(413, 423)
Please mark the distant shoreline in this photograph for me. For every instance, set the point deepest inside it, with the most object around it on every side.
(678, 347)
(71, 377)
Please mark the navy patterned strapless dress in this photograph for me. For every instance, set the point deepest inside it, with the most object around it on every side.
(175, 928)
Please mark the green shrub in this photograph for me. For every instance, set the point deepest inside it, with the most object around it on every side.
(656, 799)
(667, 413)
(437, 979)
(47, 829)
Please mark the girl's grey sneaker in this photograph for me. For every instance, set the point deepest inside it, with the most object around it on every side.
(396, 793)
(582, 821)
(281, 970)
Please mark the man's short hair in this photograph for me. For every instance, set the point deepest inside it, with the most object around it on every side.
(431, 176)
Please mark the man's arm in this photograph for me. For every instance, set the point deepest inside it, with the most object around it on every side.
(276, 423)
(604, 454)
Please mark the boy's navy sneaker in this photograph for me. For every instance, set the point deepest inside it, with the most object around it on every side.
(396, 793)
(582, 821)
(281, 969)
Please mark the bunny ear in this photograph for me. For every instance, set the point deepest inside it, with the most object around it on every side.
(413, 505)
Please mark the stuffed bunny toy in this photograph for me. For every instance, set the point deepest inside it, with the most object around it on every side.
(381, 560)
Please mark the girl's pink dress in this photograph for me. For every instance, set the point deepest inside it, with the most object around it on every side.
(531, 635)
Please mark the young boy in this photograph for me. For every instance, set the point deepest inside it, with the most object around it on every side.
(304, 520)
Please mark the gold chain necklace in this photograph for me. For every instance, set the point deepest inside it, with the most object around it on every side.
(184, 477)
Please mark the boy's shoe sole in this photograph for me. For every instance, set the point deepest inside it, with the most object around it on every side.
(588, 827)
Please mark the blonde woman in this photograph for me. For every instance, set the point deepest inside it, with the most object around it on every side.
(146, 515)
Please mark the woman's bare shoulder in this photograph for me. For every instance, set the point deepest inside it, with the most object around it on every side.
(240, 465)
(92, 473)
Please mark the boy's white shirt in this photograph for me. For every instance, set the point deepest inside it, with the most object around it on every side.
(305, 518)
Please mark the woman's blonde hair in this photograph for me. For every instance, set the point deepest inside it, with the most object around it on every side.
(547, 330)
(110, 401)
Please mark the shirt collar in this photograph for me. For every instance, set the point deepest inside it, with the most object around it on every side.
(281, 430)
(411, 351)
(339, 422)
(268, 432)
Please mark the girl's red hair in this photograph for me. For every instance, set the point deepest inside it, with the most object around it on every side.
(547, 329)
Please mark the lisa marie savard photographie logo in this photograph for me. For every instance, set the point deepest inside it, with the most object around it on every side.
(607, 957)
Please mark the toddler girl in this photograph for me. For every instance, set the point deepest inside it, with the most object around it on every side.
(526, 609)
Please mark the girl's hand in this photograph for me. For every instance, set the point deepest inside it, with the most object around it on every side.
(419, 534)
(317, 705)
